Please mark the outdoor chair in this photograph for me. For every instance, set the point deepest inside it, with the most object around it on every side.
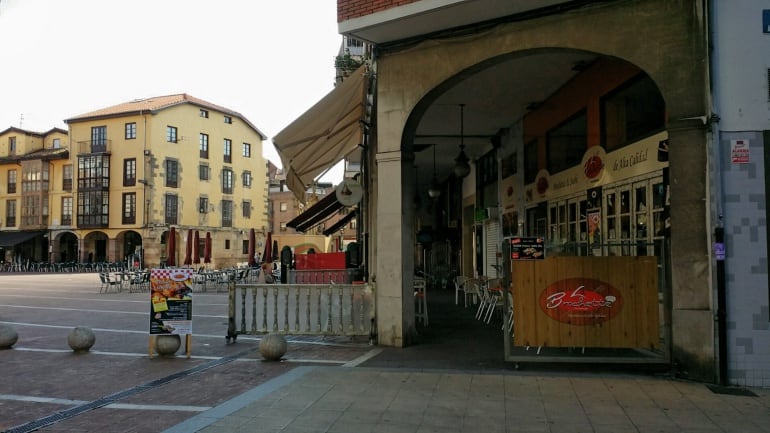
(107, 282)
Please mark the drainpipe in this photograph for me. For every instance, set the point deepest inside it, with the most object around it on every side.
(717, 185)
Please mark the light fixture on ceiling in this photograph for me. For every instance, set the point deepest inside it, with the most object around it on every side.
(434, 191)
(462, 168)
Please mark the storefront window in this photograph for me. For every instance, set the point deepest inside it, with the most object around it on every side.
(632, 112)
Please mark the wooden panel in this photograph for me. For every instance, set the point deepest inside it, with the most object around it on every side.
(586, 302)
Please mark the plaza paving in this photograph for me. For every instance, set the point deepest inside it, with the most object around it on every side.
(449, 382)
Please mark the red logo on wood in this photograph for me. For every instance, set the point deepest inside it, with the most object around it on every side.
(581, 301)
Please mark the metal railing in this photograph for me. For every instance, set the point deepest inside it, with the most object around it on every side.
(301, 309)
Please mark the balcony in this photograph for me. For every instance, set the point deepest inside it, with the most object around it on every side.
(89, 147)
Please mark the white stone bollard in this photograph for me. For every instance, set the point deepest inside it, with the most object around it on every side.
(81, 339)
(8, 336)
(167, 344)
(272, 347)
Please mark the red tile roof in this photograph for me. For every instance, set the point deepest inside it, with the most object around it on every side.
(155, 104)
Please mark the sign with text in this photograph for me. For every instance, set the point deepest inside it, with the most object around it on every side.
(527, 248)
(739, 151)
(171, 301)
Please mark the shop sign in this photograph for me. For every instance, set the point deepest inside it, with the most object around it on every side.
(581, 301)
(527, 248)
(739, 151)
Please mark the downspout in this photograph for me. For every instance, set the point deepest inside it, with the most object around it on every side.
(717, 194)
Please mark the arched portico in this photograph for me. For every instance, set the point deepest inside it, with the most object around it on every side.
(672, 43)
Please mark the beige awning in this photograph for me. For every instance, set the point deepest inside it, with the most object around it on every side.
(324, 135)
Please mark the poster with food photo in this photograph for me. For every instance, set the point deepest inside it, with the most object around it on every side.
(171, 301)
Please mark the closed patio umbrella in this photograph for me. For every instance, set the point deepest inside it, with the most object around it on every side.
(207, 248)
(196, 257)
(171, 248)
(268, 254)
(252, 246)
(275, 250)
(188, 248)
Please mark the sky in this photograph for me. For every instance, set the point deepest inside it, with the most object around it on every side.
(268, 60)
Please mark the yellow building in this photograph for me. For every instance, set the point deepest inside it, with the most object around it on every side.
(146, 169)
(30, 164)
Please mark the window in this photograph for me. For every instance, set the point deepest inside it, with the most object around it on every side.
(632, 112)
(129, 208)
(11, 181)
(10, 213)
(34, 177)
(227, 213)
(98, 139)
(228, 119)
(67, 177)
(567, 143)
(171, 136)
(227, 181)
(246, 150)
(245, 246)
(531, 165)
(129, 172)
(283, 226)
(283, 206)
(171, 209)
(228, 145)
(93, 208)
(172, 173)
(66, 211)
(353, 224)
(204, 113)
(246, 206)
(30, 210)
(94, 172)
(11, 144)
(130, 131)
(203, 145)
(204, 172)
(57, 143)
(227, 244)
(247, 179)
(203, 204)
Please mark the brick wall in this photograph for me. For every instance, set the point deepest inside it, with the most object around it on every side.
(349, 9)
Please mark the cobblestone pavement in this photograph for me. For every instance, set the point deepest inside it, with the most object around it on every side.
(117, 386)
(453, 380)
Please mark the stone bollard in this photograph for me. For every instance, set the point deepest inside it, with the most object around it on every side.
(167, 344)
(8, 336)
(81, 339)
(272, 347)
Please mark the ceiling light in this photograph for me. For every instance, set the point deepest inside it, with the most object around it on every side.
(462, 168)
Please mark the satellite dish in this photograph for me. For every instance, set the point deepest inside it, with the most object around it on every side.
(349, 192)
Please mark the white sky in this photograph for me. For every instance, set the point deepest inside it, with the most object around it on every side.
(268, 60)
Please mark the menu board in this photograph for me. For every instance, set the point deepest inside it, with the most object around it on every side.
(527, 248)
(171, 301)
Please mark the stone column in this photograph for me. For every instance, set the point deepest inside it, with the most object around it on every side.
(692, 310)
(394, 267)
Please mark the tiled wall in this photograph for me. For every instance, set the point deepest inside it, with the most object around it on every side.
(746, 268)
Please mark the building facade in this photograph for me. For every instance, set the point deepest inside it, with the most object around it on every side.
(624, 83)
(35, 172)
(141, 168)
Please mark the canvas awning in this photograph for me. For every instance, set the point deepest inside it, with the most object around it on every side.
(10, 239)
(316, 214)
(339, 224)
(324, 135)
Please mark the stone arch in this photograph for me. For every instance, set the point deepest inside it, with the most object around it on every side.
(65, 247)
(666, 41)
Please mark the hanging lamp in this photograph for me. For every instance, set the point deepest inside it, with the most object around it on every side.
(462, 168)
(434, 191)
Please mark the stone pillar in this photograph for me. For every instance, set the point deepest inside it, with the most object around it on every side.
(692, 310)
(394, 267)
(113, 254)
